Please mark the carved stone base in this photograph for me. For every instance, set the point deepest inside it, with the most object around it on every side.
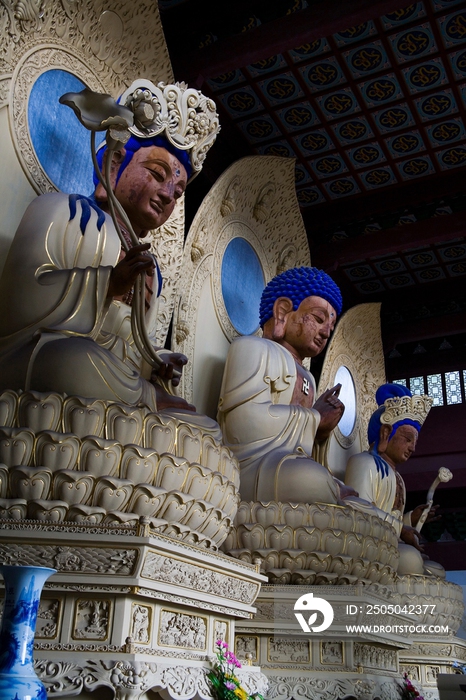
(129, 608)
(340, 662)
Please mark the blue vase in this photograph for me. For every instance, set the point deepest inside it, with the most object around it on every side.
(23, 586)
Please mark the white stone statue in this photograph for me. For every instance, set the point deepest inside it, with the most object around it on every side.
(68, 284)
(267, 409)
(393, 432)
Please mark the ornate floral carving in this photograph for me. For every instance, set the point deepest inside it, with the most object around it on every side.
(68, 558)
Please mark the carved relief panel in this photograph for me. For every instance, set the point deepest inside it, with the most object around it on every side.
(182, 630)
(247, 647)
(92, 620)
(285, 650)
(141, 623)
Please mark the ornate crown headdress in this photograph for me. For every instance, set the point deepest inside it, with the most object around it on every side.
(399, 408)
(184, 116)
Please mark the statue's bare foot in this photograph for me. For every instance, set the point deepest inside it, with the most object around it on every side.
(166, 400)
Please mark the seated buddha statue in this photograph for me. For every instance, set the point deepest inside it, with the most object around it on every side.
(392, 433)
(268, 411)
(67, 327)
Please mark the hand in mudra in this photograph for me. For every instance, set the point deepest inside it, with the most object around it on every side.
(171, 367)
(124, 274)
(331, 410)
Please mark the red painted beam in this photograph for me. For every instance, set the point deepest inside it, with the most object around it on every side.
(319, 20)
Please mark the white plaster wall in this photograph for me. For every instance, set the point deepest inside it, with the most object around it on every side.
(210, 351)
(16, 193)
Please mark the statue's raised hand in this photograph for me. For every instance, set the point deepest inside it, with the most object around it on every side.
(171, 367)
(331, 410)
(124, 274)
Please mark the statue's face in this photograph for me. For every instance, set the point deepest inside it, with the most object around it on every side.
(402, 444)
(149, 186)
(310, 326)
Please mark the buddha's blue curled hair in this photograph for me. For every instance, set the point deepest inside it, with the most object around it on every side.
(135, 143)
(384, 392)
(297, 284)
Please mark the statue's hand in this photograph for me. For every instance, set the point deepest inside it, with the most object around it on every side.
(409, 535)
(124, 274)
(331, 410)
(172, 366)
(418, 511)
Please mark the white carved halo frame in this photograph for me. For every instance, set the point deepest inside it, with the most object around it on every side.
(34, 63)
(346, 441)
(241, 229)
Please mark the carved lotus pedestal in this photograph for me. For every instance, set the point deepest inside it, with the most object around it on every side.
(130, 507)
(314, 544)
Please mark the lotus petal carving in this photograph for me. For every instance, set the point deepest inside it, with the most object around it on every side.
(83, 416)
(100, 457)
(198, 514)
(31, 483)
(13, 508)
(40, 411)
(80, 513)
(121, 518)
(210, 457)
(176, 507)
(147, 500)
(198, 481)
(160, 433)
(124, 423)
(189, 443)
(139, 464)
(3, 480)
(57, 450)
(72, 486)
(171, 473)
(16, 446)
(112, 493)
(8, 404)
(47, 511)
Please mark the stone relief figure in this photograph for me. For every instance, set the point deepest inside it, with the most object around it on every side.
(140, 631)
(267, 409)
(392, 433)
(83, 282)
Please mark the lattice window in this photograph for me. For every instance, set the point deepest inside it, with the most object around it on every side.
(435, 389)
(416, 384)
(402, 382)
(453, 387)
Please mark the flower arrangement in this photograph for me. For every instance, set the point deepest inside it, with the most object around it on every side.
(225, 685)
(408, 691)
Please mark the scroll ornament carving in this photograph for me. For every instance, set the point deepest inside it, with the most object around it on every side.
(90, 461)
(264, 201)
(131, 679)
(314, 544)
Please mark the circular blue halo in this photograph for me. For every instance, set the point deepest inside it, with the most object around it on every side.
(61, 142)
(242, 285)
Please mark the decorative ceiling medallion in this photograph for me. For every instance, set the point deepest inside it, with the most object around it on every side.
(410, 142)
(226, 80)
(339, 103)
(323, 74)
(413, 43)
(452, 157)
(457, 269)
(359, 272)
(425, 76)
(259, 129)
(267, 65)
(430, 275)
(342, 187)
(329, 165)
(415, 167)
(298, 116)
(421, 259)
(301, 175)
(279, 148)
(314, 48)
(407, 14)
(452, 252)
(398, 281)
(367, 59)
(379, 90)
(370, 287)
(314, 142)
(379, 177)
(366, 155)
(308, 196)
(241, 102)
(353, 130)
(282, 88)
(458, 63)
(435, 106)
(446, 132)
(453, 28)
(392, 118)
(388, 267)
(361, 31)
